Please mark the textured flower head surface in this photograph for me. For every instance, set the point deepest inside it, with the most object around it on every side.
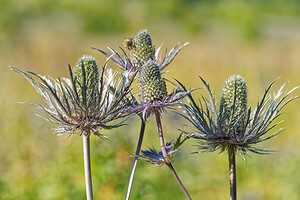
(152, 86)
(156, 157)
(243, 128)
(153, 93)
(234, 93)
(141, 48)
(84, 103)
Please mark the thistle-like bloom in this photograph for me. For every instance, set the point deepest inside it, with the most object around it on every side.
(84, 103)
(141, 48)
(234, 94)
(152, 91)
(149, 66)
(152, 86)
(234, 125)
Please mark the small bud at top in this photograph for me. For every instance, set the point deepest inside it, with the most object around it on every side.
(90, 66)
(141, 46)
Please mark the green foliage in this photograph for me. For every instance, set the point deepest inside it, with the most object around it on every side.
(107, 17)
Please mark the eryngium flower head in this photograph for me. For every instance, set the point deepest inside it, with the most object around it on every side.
(88, 65)
(234, 93)
(161, 99)
(82, 103)
(152, 86)
(156, 157)
(212, 135)
(141, 48)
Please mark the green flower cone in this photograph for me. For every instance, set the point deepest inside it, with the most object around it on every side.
(152, 86)
(141, 48)
(233, 104)
(87, 65)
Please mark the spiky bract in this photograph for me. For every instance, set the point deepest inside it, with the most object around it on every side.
(156, 157)
(152, 86)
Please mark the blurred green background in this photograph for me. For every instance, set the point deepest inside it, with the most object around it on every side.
(259, 39)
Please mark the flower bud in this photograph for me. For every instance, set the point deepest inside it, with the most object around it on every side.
(141, 48)
(234, 101)
(90, 66)
(152, 86)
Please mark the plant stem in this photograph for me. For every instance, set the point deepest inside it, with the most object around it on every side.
(232, 174)
(179, 182)
(137, 153)
(161, 137)
(164, 152)
(87, 167)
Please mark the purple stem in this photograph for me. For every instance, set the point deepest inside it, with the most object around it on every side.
(161, 137)
(232, 174)
(164, 152)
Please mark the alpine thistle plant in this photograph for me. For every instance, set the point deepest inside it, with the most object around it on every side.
(84, 103)
(154, 98)
(235, 127)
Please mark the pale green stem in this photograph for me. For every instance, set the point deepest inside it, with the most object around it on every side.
(87, 167)
(179, 181)
(138, 149)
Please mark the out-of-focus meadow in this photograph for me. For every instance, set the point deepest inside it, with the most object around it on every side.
(257, 39)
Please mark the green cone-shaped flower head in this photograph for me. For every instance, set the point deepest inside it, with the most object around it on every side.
(141, 47)
(233, 104)
(90, 67)
(152, 86)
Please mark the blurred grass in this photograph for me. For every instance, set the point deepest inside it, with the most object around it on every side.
(259, 40)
